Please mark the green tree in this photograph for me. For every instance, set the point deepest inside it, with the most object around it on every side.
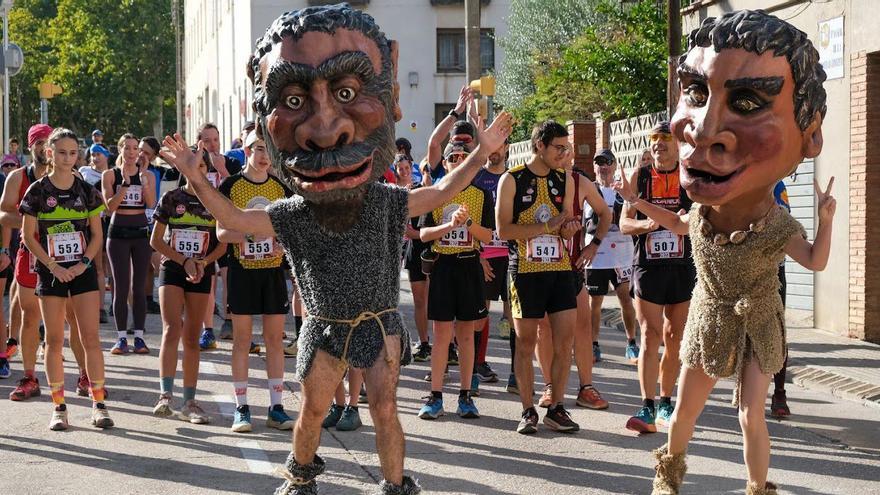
(114, 59)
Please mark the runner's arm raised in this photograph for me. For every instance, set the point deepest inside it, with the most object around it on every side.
(9, 215)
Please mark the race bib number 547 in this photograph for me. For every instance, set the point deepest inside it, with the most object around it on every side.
(545, 249)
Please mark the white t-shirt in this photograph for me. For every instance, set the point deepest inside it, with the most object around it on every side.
(616, 250)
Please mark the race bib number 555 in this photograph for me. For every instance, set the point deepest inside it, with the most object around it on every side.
(190, 243)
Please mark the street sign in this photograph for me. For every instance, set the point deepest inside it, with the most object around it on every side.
(13, 59)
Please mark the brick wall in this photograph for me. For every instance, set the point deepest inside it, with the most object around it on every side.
(582, 137)
(864, 209)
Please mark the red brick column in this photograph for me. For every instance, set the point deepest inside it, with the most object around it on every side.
(864, 209)
(603, 132)
(582, 138)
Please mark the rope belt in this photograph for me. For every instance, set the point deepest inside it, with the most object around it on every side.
(352, 324)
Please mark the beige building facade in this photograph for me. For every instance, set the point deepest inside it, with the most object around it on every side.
(845, 297)
(219, 37)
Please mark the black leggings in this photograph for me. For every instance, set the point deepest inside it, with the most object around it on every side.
(125, 254)
(779, 378)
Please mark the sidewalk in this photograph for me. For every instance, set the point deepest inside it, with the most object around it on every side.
(818, 360)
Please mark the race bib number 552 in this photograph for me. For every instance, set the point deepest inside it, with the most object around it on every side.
(664, 244)
(66, 246)
(544, 249)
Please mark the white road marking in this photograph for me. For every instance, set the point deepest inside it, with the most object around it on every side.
(207, 367)
(257, 461)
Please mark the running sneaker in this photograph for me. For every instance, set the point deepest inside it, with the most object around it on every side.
(11, 347)
(528, 425)
(100, 416)
(207, 340)
(350, 420)
(423, 352)
(42, 351)
(475, 385)
(560, 420)
(291, 349)
(467, 409)
(362, 395)
(546, 399)
(597, 352)
(152, 307)
(279, 419)
(59, 418)
(432, 409)
(82, 384)
(332, 416)
(255, 348)
(102, 318)
(241, 419)
(226, 330)
(4, 368)
(511, 384)
(120, 347)
(589, 397)
(779, 405)
(643, 421)
(194, 413)
(632, 353)
(163, 406)
(445, 374)
(484, 372)
(27, 387)
(453, 356)
(664, 413)
(140, 347)
(504, 328)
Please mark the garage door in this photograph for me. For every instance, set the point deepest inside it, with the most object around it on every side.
(803, 208)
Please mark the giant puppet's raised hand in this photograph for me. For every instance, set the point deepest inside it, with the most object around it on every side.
(493, 138)
(179, 155)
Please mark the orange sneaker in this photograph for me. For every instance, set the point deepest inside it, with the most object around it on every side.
(547, 397)
(589, 397)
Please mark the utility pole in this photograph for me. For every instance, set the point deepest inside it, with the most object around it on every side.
(6, 7)
(178, 65)
(472, 39)
(673, 40)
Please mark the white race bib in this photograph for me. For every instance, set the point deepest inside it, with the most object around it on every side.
(66, 246)
(134, 196)
(190, 243)
(544, 249)
(663, 244)
(496, 241)
(257, 250)
(457, 237)
(214, 179)
(623, 274)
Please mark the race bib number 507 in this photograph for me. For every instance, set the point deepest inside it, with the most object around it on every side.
(664, 244)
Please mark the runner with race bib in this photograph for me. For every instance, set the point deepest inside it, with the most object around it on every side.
(185, 235)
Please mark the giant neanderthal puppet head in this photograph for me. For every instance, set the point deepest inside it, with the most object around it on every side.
(751, 106)
(326, 99)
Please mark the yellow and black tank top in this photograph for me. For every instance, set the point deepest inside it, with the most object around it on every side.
(481, 208)
(537, 200)
(249, 195)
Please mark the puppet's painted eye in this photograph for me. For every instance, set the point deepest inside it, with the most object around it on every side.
(746, 105)
(293, 102)
(346, 95)
(696, 94)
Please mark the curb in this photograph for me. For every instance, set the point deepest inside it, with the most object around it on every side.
(808, 377)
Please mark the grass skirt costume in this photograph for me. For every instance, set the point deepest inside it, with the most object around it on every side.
(349, 281)
(736, 311)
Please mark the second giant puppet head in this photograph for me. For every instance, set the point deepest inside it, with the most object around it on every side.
(751, 106)
(326, 99)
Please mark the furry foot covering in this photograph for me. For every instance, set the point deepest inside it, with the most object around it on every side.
(299, 479)
(408, 487)
(670, 472)
(753, 489)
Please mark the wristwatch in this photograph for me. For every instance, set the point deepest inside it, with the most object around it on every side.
(596, 241)
(469, 222)
(453, 113)
(4, 251)
(86, 261)
(249, 237)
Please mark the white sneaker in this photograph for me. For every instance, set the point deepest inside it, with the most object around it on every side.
(100, 417)
(59, 420)
(194, 413)
(290, 350)
(163, 406)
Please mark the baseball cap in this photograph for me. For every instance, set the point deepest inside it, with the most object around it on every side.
(9, 159)
(97, 148)
(455, 147)
(37, 132)
(251, 139)
(606, 154)
(97, 132)
(462, 127)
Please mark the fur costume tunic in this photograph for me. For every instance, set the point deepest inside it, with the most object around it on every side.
(344, 275)
(736, 311)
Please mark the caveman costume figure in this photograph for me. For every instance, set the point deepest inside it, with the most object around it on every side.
(326, 99)
(750, 111)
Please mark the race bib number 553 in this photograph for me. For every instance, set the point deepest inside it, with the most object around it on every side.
(544, 249)
(257, 250)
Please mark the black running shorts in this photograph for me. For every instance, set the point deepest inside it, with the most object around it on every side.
(497, 288)
(532, 295)
(257, 291)
(598, 280)
(176, 277)
(664, 284)
(455, 291)
(48, 285)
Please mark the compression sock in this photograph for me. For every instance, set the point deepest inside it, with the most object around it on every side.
(240, 393)
(666, 400)
(57, 393)
(166, 385)
(649, 403)
(632, 342)
(436, 395)
(189, 393)
(97, 389)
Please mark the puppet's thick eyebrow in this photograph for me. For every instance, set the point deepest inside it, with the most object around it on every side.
(691, 72)
(769, 85)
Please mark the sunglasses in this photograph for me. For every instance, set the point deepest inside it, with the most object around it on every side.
(456, 157)
(660, 137)
(602, 163)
